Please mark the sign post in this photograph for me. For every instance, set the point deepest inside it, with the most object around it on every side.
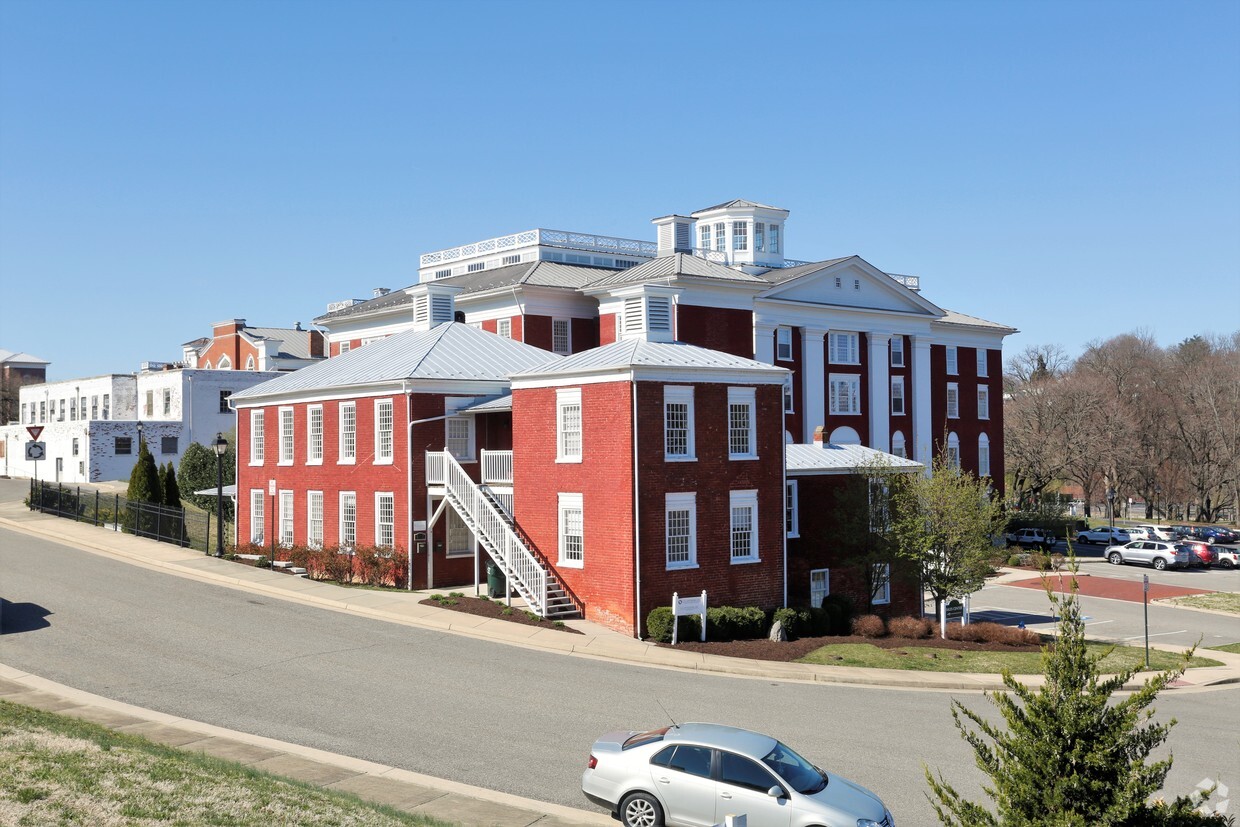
(954, 609)
(1145, 600)
(685, 606)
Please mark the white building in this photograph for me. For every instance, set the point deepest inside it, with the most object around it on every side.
(91, 426)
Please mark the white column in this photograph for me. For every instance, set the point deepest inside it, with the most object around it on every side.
(764, 343)
(813, 382)
(880, 392)
(923, 440)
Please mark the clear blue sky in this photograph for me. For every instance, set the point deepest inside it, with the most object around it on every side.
(1069, 168)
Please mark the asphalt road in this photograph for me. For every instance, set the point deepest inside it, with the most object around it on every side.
(506, 718)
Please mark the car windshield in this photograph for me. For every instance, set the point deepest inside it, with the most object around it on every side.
(800, 774)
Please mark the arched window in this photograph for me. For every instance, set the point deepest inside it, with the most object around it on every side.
(845, 436)
(207, 366)
(225, 363)
(897, 445)
(953, 450)
(249, 363)
(983, 456)
(788, 437)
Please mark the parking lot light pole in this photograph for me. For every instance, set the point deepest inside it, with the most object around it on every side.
(221, 446)
(1111, 511)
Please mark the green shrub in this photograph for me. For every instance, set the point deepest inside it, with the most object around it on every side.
(735, 623)
(840, 611)
(1015, 560)
(793, 620)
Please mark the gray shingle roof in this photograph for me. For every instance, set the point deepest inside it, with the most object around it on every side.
(451, 351)
(674, 266)
(294, 343)
(638, 353)
(833, 458)
(954, 318)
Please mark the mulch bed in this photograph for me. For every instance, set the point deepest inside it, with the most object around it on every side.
(495, 609)
(793, 649)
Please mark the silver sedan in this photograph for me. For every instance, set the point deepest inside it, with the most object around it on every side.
(696, 775)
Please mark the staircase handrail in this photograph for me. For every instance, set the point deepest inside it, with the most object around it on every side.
(501, 541)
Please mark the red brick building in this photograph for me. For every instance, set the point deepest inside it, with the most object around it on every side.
(233, 345)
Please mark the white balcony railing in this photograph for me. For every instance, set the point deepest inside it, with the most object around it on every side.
(546, 238)
(435, 468)
(497, 467)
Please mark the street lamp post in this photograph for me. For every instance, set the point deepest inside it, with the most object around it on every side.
(221, 446)
(1157, 499)
(1111, 510)
(139, 436)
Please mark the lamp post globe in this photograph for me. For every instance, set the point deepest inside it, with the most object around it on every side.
(221, 447)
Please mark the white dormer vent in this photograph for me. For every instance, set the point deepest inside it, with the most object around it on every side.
(675, 234)
(433, 304)
(659, 314)
(643, 313)
(442, 310)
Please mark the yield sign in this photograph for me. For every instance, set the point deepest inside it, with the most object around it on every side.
(34, 431)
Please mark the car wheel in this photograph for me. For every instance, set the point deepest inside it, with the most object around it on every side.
(641, 810)
(1116, 558)
(1160, 563)
(1227, 564)
(1082, 540)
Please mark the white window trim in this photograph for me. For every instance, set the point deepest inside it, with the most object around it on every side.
(748, 398)
(379, 497)
(983, 402)
(258, 437)
(898, 382)
(285, 502)
(680, 502)
(983, 453)
(897, 351)
(853, 356)
(285, 416)
(503, 327)
(833, 400)
(341, 457)
(883, 596)
(311, 540)
(566, 398)
(953, 396)
(983, 371)
(741, 499)
(340, 541)
(826, 576)
(451, 517)
(953, 361)
(781, 333)
(952, 449)
(311, 411)
(900, 444)
(258, 517)
(380, 457)
(792, 511)
(680, 394)
(571, 502)
(568, 344)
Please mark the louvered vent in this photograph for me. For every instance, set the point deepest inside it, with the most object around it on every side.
(659, 314)
(633, 315)
(421, 312)
(441, 309)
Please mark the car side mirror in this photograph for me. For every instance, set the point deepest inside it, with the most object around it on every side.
(776, 792)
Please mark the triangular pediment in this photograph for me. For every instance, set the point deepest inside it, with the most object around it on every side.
(852, 282)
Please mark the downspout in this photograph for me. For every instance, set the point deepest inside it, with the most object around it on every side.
(409, 473)
(430, 551)
(637, 525)
(783, 419)
(520, 311)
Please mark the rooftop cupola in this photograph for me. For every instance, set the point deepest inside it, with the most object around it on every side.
(642, 311)
(433, 304)
(741, 234)
(675, 234)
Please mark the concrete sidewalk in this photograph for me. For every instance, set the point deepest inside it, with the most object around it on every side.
(406, 608)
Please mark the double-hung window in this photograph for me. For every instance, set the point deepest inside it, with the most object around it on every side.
(458, 535)
(983, 402)
(572, 531)
(783, 344)
(704, 237)
(167, 402)
(792, 512)
(503, 327)
(678, 435)
(286, 518)
(897, 396)
(953, 400)
(983, 456)
(107, 406)
(385, 519)
(348, 520)
(224, 401)
(774, 238)
(94, 407)
(740, 236)
(881, 582)
(953, 450)
(314, 435)
(759, 237)
(741, 428)
(819, 586)
(314, 517)
(561, 336)
(258, 448)
(845, 393)
(568, 425)
(721, 237)
(743, 506)
(981, 362)
(257, 521)
(844, 348)
(681, 530)
(348, 433)
(148, 407)
(459, 435)
(286, 436)
(953, 363)
(897, 351)
(383, 432)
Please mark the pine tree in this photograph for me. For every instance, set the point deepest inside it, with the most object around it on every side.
(1069, 754)
(172, 492)
(144, 483)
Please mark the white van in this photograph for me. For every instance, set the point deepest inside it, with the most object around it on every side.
(1158, 532)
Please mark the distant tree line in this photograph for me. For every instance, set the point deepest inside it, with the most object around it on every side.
(1162, 424)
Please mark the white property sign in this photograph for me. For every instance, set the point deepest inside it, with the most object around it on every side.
(686, 606)
(952, 610)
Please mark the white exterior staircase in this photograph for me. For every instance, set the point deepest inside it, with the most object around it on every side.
(498, 534)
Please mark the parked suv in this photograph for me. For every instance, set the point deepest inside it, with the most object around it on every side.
(1200, 553)
(1157, 553)
(1227, 558)
(1032, 538)
(1109, 536)
(1158, 532)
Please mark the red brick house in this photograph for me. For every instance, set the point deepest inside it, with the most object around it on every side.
(233, 345)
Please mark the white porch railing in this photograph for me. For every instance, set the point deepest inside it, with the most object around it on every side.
(435, 468)
(546, 238)
(496, 535)
(497, 467)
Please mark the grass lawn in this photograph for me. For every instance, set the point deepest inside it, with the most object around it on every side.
(1234, 648)
(948, 660)
(1218, 601)
(60, 770)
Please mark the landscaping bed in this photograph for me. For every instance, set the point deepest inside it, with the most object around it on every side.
(485, 607)
(793, 650)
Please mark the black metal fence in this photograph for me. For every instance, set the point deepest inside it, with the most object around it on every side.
(113, 512)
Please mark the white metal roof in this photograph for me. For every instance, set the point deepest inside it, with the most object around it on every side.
(450, 351)
(955, 318)
(13, 356)
(638, 353)
(496, 405)
(832, 458)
